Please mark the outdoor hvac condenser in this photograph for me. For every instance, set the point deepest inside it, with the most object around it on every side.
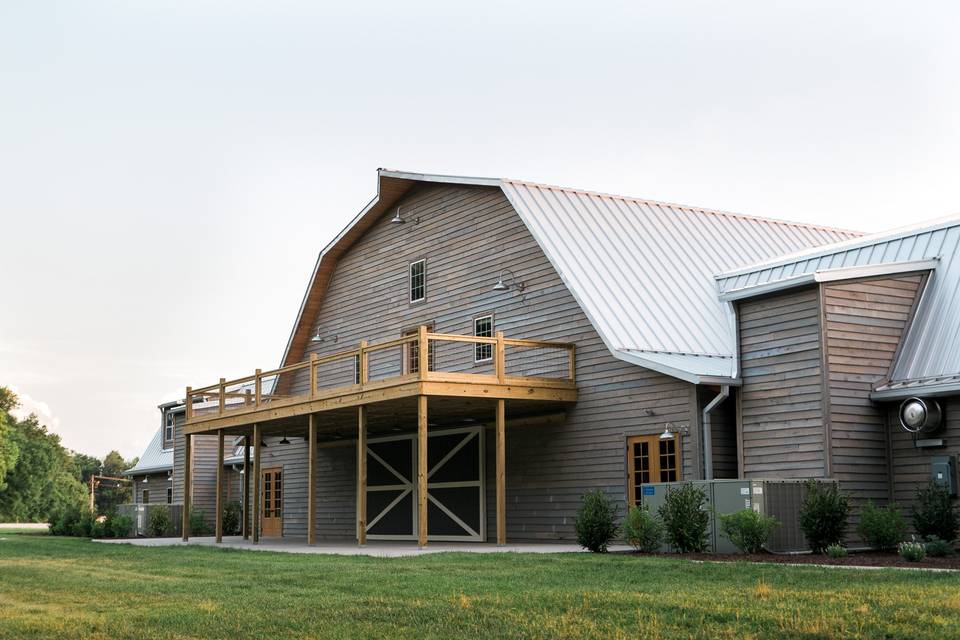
(778, 498)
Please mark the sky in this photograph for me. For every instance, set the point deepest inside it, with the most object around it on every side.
(169, 171)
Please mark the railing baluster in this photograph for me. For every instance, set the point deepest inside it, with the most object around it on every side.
(188, 408)
(223, 390)
(313, 375)
(257, 388)
(364, 363)
(572, 363)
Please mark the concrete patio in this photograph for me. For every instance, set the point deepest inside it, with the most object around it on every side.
(382, 549)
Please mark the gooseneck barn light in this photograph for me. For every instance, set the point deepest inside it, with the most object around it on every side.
(514, 283)
(397, 218)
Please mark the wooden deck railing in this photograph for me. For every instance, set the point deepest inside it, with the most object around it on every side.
(449, 357)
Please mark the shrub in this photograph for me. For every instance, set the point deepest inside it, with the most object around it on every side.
(836, 551)
(98, 528)
(117, 526)
(160, 523)
(198, 526)
(912, 551)
(643, 530)
(685, 519)
(231, 518)
(596, 521)
(937, 548)
(63, 521)
(823, 515)
(747, 529)
(934, 513)
(881, 527)
(83, 526)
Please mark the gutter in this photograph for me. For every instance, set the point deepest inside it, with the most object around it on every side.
(708, 431)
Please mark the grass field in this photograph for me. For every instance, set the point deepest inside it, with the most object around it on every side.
(69, 588)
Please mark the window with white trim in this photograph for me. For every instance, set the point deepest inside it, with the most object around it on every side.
(168, 422)
(418, 281)
(483, 328)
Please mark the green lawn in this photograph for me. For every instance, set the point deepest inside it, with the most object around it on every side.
(68, 588)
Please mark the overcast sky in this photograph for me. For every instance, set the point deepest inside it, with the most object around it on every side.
(170, 170)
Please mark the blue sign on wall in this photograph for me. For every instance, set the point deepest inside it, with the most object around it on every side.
(648, 490)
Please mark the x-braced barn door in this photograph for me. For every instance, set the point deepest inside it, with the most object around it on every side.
(455, 486)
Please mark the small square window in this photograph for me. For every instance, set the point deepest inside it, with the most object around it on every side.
(483, 328)
(169, 495)
(418, 281)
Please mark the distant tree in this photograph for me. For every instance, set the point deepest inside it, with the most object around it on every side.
(9, 451)
(85, 466)
(111, 494)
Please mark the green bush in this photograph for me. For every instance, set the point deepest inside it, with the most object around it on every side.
(937, 548)
(747, 529)
(643, 530)
(912, 551)
(823, 515)
(881, 527)
(684, 518)
(98, 529)
(83, 526)
(160, 523)
(934, 513)
(596, 521)
(232, 518)
(63, 520)
(198, 526)
(117, 526)
(836, 551)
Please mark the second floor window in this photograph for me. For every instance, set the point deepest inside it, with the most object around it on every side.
(483, 328)
(168, 421)
(418, 281)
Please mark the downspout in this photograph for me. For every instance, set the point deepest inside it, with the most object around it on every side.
(708, 433)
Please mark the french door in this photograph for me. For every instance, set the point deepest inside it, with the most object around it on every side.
(650, 459)
(455, 486)
(271, 522)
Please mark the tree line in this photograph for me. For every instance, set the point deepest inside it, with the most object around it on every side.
(40, 477)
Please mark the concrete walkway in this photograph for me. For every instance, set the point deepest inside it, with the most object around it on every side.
(379, 548)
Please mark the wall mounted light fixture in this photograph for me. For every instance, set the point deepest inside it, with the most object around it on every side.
(514, 283)
(670, 431)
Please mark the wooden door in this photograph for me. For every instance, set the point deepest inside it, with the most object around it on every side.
(650, 459)
(271, 522)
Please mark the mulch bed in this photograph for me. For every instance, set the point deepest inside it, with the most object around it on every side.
(854, 559)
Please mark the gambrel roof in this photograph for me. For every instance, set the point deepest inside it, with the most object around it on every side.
(641, 270)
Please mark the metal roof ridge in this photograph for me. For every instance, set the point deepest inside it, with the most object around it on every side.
(687, 207)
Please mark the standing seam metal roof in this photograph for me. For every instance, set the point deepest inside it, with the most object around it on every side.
(154, 458)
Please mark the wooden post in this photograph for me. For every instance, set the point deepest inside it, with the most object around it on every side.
(362, 475)
(312, 480)
(364, 363)
(187, 472)
(422, 467)
(247, 398)
(246, 488)
(572, 363)
(218, 502)
(223, 390)
(423, 347)
(500, 358)
(257, 437)
(501, 473)
(188, 404)
(313, 374)
(258, 388)
(93, 489)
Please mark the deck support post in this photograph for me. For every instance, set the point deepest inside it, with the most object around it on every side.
(362, 475)
(246, 488)
(218, 502)
(187, 480)
(255, 522)
(501, 473)
(422, 465)
(312, 480)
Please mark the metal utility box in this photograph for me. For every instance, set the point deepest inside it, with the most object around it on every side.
(773, 497)
(943, 472)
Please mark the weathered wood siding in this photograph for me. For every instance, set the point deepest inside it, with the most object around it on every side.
(782, 417)
(864, 321)
(204, 470)
(466, 235)
(911, 466)
(723, 427)
(156, 484)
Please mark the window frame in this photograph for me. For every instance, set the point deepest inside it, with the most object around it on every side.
(169, 495)
(423, 285)
(653, 440)
(482, 347)
(169, 417)
(145, 496)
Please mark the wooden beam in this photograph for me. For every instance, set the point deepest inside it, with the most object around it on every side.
(218, 519)
(312, 481)
(246, 487)
(362, 475)
(422, 466)
(501, 473)
(185, 525)
(255, 521)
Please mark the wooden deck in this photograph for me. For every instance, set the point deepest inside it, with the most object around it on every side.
(234, 404)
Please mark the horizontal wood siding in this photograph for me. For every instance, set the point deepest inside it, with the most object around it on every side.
(723, 427)
(864, 321)
(156, 484)
(467, 235)
(782, 396)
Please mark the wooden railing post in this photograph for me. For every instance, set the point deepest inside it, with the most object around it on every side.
(500, 364)
(223, 390)
(247, 398)
(423, 345)
(188, 404)
(313, 375)
(364, 363)
(257, 389)
(572, 362)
